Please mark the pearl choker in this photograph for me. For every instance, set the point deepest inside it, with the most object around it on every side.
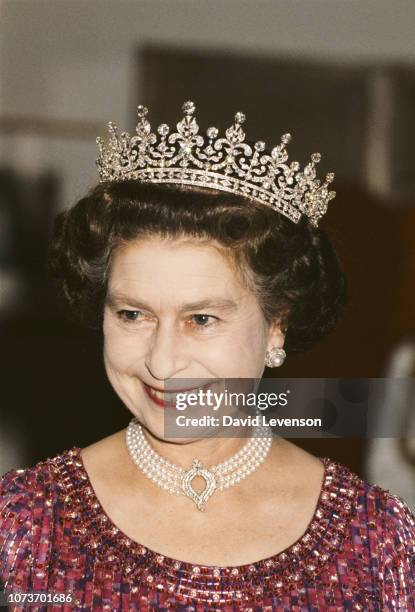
(178, 481)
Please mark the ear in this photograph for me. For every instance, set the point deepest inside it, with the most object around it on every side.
(276, 337)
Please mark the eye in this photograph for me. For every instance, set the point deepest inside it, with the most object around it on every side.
(128, 315)
(201, 320)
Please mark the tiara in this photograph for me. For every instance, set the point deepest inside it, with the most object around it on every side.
(229, 164)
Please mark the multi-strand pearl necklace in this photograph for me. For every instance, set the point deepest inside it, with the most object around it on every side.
(178, 481)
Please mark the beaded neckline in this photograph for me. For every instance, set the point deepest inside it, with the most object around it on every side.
(98, 534)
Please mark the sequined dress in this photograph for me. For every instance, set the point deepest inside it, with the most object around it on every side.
(358, 552)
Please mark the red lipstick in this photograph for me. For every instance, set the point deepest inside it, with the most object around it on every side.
(160, 401)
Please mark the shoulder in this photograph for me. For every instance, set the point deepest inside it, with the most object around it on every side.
(16, 504)
(26, 498)
(14, 484)
(394, 522)
(390, 516)
(379, 510)
(383, 527)
(20, 487)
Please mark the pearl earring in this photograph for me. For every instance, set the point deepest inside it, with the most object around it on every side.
(275, 357)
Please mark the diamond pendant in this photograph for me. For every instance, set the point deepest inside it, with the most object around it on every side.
(197, 469)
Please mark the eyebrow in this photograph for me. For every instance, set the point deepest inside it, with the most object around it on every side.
(219, 303)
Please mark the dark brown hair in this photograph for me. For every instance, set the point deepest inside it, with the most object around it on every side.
(292, 268)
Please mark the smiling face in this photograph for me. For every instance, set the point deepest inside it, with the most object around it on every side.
(178, 310)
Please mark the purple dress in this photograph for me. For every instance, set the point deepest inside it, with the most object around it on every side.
(358, 552)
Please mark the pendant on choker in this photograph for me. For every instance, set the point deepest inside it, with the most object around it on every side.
(197, 469)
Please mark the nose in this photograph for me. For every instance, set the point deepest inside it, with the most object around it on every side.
(165, 356)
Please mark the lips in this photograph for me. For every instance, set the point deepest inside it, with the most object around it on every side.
(167, 399)
(176, 390)
(161, 398)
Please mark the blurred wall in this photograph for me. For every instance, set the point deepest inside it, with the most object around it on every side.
(77, 59)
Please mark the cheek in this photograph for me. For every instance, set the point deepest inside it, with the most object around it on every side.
(250, 339)
(249, 349)
(241, 353)
(122, 349)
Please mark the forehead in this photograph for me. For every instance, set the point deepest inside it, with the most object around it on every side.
(159, 265)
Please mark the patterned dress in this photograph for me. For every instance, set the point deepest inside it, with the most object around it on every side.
(357, 553)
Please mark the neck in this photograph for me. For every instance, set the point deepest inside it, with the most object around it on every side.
(210, 451)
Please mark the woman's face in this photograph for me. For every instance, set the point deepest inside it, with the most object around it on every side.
(177, 309)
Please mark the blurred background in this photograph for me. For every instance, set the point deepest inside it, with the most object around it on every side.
(339, 76)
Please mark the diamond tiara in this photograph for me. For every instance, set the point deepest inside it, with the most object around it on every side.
(228, 164)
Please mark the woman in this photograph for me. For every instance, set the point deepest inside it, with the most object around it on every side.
(212, 275)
